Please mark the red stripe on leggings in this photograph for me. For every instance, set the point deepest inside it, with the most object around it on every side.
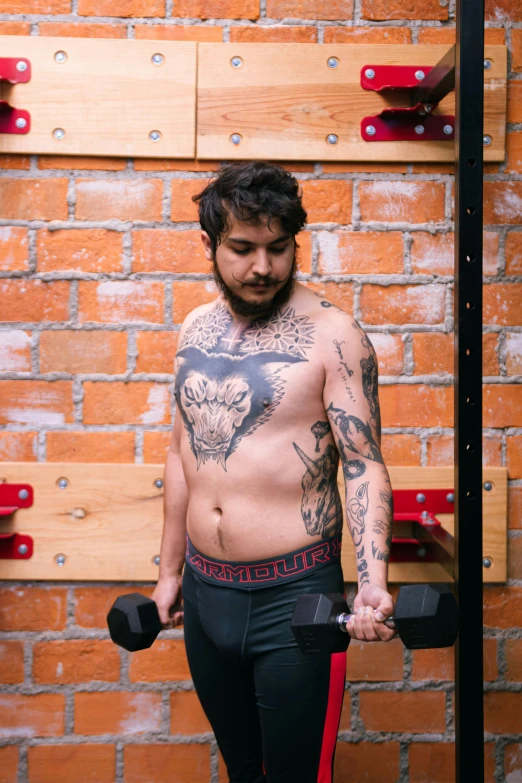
(333, 716)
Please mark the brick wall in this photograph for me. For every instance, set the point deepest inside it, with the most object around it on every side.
(100, 261)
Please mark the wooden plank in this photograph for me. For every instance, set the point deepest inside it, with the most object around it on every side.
(108, 521)
(107, 96)
(284, 100)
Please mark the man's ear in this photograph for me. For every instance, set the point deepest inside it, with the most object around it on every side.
(207, 245)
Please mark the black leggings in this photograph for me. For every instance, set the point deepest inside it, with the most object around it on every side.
(275, 712)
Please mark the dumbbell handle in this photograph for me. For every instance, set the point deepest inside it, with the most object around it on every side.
(343, 618)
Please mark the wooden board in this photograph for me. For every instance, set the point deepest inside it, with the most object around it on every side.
(284, 100)
(108, 521)
(107, 96)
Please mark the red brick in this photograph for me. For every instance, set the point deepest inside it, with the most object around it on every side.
(34, 300)
(304, 252)
(32, 609)
(126, 403)
(512, 762)
(490, 364)
(35, 6)
(434, 762)
(446, 35)
(22, 162)
(513, 657)
(440, 450)
(90, 447)
(514, 456)
(188, 295)
(514, 152)
(432, 353)
(503, 712)
(15, 351)
(360, 252)
(374, 662)
(173, 164)
(78, 660)
(401, 449)
(156, 351)
(502, 606)
(36, 402)
(15, 28)
(179, 32)
(438, 664)
(514, 101)
(328, 200)
(367, 35)
(40, 715)
(515, 558)
(339, 294)
(83, 351)
(390, 353)
(502, 304)
(93, 603)
(167, 763)
(502, 405)
(434, 253)
(186, 714)
(410, 202)
(78, 162)
(74, 30)
(273, 34)
(163, 250)
(371, 762)
(14, 251)
(116, 712)
(500, 10)
(122, 8)
(218, 9)
(9, 764)
(18, 446)
(502, 202)
(164, 662)
(514, 251)
(90, 763)
(513, 345)
(416, 405)
(80, 250)
(135, 199)
(117, 301)
(346, 714)
(310, 9)
(33, 199)
(366, 167)
(182, 190)
(380, 10)
(155, 445)
(11, 662)
(516, 46)
(515, 508)
(403, 304)
(415, 712)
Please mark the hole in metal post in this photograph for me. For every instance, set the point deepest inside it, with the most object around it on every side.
(470, 352)
(470, 305)
(472, 162)
(470, 400)
(470, 494)
(470, 447)
(470, 210)
(470, 258)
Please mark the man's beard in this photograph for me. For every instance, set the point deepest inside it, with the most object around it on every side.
(241, 307)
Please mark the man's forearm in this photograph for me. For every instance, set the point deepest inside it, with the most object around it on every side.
(172, 553)
(369, 513)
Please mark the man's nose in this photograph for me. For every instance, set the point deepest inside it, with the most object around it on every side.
(262, 265)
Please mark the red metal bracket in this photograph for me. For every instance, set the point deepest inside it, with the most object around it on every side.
(403, 123)
(15, 496)
(15, 546)
(14, 70)
(420, 506)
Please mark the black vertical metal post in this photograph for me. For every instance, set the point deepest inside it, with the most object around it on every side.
(469, 98)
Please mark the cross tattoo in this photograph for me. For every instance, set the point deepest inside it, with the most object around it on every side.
(231, 340)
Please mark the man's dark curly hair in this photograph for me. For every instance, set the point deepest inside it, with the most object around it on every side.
(251, 191)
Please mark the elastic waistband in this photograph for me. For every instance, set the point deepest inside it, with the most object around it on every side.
(268, 572)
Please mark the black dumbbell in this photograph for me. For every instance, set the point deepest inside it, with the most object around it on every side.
(425, 616)
(134, 622)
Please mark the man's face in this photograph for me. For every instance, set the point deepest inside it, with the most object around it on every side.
(254, 266)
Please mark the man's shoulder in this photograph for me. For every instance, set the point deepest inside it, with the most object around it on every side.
(198, 313)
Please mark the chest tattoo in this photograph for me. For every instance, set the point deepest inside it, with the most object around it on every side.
(228, 380)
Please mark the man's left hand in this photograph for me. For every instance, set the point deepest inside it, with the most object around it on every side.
(371, 607)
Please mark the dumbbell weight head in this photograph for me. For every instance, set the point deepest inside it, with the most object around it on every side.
(133, 622)
(426, 616)
(314, 623)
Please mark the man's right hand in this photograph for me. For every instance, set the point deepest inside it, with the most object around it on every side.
(167, 595)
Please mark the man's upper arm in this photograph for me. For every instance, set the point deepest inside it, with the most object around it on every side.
(351, 395)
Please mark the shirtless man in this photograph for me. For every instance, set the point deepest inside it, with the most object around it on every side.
(274, 386)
